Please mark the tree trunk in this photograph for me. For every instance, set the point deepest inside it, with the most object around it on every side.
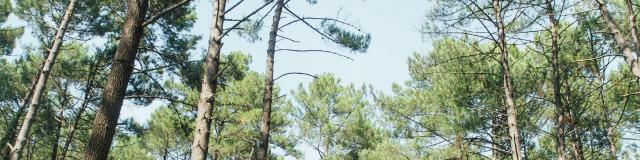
(462, 148)
(10, 134)
(59, 120)
(42, 82)
(619, 38)
(104, 125)
(58, 129)
(217, 139)
(575, 141)
(605, 119)
(557, 95)
(507, 85)
(495, 126)
(263, 144)
(634, 26)
(202, 133)
(85, 102)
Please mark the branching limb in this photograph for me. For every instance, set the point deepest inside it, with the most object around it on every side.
(233, 7)
(163, 12)
(316, 50)
(290, 73)
(159, 97)
(245, 18)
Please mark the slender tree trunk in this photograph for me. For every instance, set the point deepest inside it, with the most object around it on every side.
(495, 126)
(605, 118)
(557, 95)
(202, 133)
(575, 141)
(462, 148)
(73, 127)
(217, 138)
(56, 136)
(507, 85)
(634, 26)
(42, 82)
(64, 101)
(13, 125)
(85, 102)
(165, 155)
(31, 147)
(263, 144)
(619, 38)
(104, 125)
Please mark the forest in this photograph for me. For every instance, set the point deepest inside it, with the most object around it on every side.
(198, 79)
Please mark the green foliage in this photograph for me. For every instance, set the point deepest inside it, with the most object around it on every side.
(333, 118)
(129, 148)
(8, 35)
(451, 108)
(234, 133)
(351, 40)
(168, 136)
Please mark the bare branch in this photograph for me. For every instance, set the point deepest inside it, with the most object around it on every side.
(316, 50)
(287, 38)
(159, 97)
(245, 18)
(233, 7)
(598, 57)
(312, 27)
(163, 12)
(290, 73)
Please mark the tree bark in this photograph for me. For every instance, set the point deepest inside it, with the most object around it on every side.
(605, 118)
(42, 82)
(495, 126)
(85, 102)
(634, 27)
(557, 95)
(619, 38)
(575, 141)
(60, 121)
(104, 125)
(202, 133)
(13, 125)
(507, 85)
(628, 58)
(263, 144)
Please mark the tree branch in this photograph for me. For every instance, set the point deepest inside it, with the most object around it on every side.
(157, 16)
(316, 50)
(233, 7)
(290, 73)
(159, 97)
(246, 18)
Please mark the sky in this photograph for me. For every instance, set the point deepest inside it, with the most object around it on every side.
(394, 28)
(393, 25)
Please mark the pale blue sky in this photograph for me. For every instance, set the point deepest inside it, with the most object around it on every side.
(393, 25)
